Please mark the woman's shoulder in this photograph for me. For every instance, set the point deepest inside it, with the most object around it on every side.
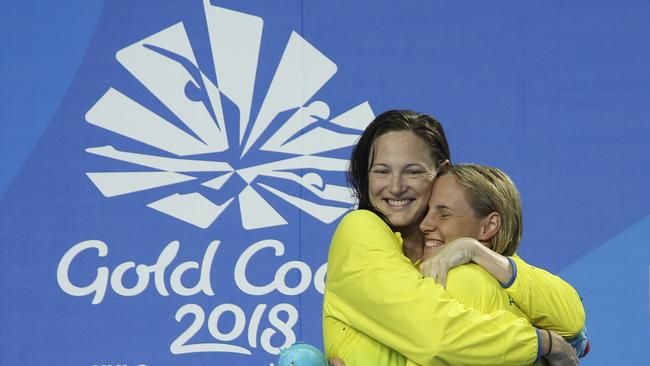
(360, 213)
(362, 226)
(362, 218)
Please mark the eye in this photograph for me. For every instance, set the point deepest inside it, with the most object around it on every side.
(380, 171)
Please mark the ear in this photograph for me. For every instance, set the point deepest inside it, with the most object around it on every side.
(445, 163)
(490, 226)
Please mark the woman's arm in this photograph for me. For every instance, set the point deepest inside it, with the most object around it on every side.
(550, 302)
(547, 300)
(372, 287)
(475, 288)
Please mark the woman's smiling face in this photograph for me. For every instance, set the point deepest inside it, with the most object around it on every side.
(400, 177)
(450, 215)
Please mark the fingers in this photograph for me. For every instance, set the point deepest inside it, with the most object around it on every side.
(436, 269)
(424, 267)
(442, 276)
(429, 268)
(562, 353)
(336, 362)
(428, 252)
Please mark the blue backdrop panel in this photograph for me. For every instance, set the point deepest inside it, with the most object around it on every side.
(173, 171)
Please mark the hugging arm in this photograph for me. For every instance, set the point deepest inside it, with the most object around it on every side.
(373, 288)
(547, 300)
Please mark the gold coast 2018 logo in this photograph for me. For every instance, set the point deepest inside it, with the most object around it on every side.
(191, 146)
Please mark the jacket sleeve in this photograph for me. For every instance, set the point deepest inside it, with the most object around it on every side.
(374, 288)
(547, 300)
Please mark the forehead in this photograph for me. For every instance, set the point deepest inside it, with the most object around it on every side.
(401, 147)
(448, 192)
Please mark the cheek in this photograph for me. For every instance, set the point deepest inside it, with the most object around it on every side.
(423, 189)
(421, 206)
(451, 229)
(465, 228)
(373, 187)
(456, 231)
(374, 191)
(377, 183)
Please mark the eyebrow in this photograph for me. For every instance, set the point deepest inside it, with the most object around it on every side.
(443, 207)
(420, 165)
(377, 165)
(410, 165)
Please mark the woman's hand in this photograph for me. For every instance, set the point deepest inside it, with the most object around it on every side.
(336, 362)
(562, 353)
(452, 254)
(462, 251)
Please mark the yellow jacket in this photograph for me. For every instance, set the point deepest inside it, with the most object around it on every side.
(379, 310)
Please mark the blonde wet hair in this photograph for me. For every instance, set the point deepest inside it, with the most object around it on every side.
(488, 190)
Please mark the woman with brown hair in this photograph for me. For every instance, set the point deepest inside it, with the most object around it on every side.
(378, 309)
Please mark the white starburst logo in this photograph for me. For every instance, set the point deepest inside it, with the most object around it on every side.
(165, 64)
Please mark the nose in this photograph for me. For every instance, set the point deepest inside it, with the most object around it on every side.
(397, 186)
(429, 223)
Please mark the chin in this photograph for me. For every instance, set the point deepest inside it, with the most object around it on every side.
(402, 222)
(406, 218)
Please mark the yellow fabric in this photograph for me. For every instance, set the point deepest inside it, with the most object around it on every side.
(564, 314)
(373, 293)
(476, 288)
